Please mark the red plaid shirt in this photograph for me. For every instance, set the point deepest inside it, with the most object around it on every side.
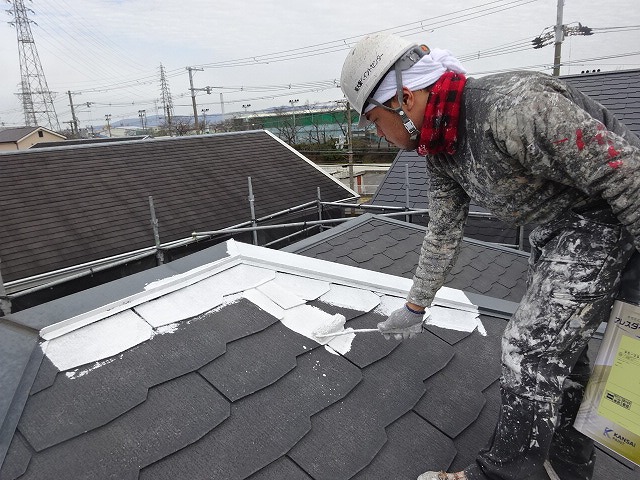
(439, 132)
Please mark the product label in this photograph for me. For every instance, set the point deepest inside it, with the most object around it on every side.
(620, 401)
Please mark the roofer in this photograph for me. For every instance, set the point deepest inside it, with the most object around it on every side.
(532, 150)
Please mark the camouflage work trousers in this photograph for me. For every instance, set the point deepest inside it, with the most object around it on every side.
(574, 273)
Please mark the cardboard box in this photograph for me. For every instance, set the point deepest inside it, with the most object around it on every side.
(610, 409)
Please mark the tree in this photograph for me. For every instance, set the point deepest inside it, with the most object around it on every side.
(182, 125)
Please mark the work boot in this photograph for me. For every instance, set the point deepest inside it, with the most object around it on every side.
(442, 476)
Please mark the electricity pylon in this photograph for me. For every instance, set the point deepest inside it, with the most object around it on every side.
(37, 101)
(167, 103)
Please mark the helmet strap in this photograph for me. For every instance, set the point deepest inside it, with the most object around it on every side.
(406, 121)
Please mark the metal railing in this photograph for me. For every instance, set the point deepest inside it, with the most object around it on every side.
(21, 287)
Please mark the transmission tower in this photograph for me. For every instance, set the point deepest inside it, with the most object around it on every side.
(37, 101)
(167, 103)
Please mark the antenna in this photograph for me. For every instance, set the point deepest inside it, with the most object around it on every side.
(37, 100)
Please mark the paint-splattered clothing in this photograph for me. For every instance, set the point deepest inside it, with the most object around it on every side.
(531, 147)
(534, 150)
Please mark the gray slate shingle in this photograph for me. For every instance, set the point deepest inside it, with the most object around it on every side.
(66, 206)
(393, 247)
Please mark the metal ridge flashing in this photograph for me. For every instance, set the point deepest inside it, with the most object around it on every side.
(345, 274)
(242, 253)
(161, 288)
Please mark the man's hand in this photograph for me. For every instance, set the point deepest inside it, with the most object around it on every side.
(402, 323)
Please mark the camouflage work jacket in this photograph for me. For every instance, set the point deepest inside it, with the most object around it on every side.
(530, 148)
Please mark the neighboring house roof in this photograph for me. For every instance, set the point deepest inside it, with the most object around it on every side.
(619, 91)
(88, 141)
(65, 206)
(15, 134)
(392, 192)
(212, 371)
(392, 246)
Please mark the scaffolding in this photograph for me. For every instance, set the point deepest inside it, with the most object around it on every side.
(315, 208)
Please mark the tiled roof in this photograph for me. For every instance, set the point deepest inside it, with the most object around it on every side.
(88, 141)
(392, 192)
(391, 246)
(213, 372)
(619, 91)
(65, 206)
(13, 134)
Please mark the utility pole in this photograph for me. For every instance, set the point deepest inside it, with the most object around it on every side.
(143, 116)
(559, 31)
(74, 119)
(556, 35)
(293, 111)
(204, 119)
(193, 94)
(108, 119)
(350, 146)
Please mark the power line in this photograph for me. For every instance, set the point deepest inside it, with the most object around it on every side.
(344, 43)
(135, 87)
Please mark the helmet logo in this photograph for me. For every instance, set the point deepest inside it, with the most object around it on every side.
(367, 72)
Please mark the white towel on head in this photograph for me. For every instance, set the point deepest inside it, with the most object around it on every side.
(423, 73)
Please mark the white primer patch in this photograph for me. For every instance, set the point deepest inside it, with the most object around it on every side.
(388, 304)
(350, 297)
(75, 374)
(98, 341)
(304, 287)
(281, 296)
(203, 296)
(171, 328)
(263, 302)
(454, 319)
(177, 277)
(307, 319)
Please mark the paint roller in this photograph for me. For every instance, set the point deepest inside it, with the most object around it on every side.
(335, 327)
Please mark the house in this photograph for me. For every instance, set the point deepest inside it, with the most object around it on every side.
(87, 141)
(211, 366)
(366, 177)
(77, 216)
(22, 138)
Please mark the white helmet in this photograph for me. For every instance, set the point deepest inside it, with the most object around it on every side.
(367, 64)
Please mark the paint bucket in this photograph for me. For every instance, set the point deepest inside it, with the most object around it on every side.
(610, 409)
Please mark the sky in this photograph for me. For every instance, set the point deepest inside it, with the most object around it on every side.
(258, 54)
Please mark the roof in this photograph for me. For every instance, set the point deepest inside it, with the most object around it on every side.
(66, 206)
(386, 245)
(86, 141)
(15, 134)
(212, 371)
(392, 192)
(619, 91)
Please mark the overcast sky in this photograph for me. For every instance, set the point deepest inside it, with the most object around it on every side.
(108, 52)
